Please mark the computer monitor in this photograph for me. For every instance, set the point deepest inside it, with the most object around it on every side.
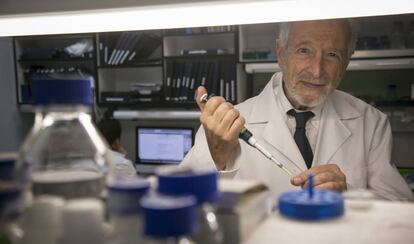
(161, 146)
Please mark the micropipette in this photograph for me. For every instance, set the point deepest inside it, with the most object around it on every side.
(247, 136)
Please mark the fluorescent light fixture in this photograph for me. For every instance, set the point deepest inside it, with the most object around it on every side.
(195, 15)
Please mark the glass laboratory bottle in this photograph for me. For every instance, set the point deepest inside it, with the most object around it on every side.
(83, 222)
(64, 152)
(124, 211)
(168, 219)
(201, 183)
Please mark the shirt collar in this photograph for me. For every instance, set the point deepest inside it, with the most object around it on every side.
(117, 154)
(285, 105)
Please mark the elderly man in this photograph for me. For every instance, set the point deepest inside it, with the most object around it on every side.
(306, 123)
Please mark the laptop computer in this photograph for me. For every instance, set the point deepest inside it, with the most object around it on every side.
(157, 146)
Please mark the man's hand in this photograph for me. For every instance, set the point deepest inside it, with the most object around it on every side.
(222, 124)
(327, 176)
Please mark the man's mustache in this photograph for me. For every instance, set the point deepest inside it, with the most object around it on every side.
(310, 79)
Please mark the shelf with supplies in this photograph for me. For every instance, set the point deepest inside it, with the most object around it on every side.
(39, 57)
(167, 75)
(354, 64)
(38, 60)
(130, 68)
(184, 76)
(120, 48)
(200, 56)
(157, 114)
(212, 43)
(194, 31)
(134, 68)
(142, 63)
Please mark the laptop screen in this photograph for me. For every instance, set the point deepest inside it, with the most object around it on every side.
(160, 145)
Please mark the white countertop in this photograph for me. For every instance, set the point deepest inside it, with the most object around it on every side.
(384, 222)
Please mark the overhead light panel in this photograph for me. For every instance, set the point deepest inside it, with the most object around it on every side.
(196, 14)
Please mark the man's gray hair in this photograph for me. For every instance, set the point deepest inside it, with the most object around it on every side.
(285, 29)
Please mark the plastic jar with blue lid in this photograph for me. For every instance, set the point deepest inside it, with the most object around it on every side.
(169, 219)
(201, 183)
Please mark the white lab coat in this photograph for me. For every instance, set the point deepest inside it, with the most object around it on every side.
(123, 167)
(352, 134)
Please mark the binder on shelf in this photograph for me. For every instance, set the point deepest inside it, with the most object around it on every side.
(222, 81)
(192, 52)
(215, 79)
(209, 77)
(115, 49)
(180, 81)
(129, 46)
(125, 47)
(122, 47)
(174, 80)
(169, 65)
(112, 43)
(101, 48)
(203, 73)
(232, 72)
(106, 50)
(147, 44)
(185, 81)
(193, 81)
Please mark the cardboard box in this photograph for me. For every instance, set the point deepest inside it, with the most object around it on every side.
(242, 207)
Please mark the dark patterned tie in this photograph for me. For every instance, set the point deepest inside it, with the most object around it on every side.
(300, 135)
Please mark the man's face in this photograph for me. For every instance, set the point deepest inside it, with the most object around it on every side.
(314, 60)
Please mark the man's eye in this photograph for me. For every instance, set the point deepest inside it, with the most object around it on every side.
(334, 55)
(303, 50)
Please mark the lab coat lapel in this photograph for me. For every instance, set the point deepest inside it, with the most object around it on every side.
(275, 132)
(332, 134)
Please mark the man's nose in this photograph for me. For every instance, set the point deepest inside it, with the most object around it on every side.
(316, 66)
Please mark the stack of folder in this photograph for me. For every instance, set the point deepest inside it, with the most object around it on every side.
(200, 30)
(184, 76)
(127, 47)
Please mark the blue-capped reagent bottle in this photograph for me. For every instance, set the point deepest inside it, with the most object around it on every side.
(124, 211)
(64, 153)
(168, 219)
(11, 200)
(201, 183)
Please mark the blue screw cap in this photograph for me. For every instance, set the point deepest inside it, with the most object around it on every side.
(167, 216)
(200, 183)
(7, 166)
(55, 91)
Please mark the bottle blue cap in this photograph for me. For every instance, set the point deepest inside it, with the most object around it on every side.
(55, 91)
(124, 195)
(8, 201)
(167, 216)
(311, 204)
(200, 183)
